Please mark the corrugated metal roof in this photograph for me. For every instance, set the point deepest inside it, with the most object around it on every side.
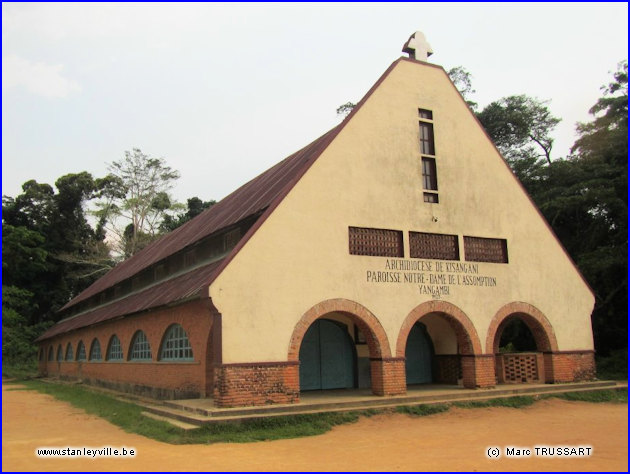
(179, 288)
(249, 199)
(261, 195)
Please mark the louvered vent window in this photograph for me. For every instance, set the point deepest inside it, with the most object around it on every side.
(479, 249)
(433, 246)
(376, 242)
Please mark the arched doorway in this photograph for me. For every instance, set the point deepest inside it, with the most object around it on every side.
(327, 357)
(419, 356)
(520, 336)
(452, 339)
(375, 367)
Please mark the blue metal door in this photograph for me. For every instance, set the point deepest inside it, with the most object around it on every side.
(419, 355)
(326, 357)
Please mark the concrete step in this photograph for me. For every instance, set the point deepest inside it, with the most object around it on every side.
(173, 421)
(200, 416)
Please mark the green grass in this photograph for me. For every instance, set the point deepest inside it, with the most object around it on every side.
(129, 416)
(510, 402)
(619, 395)
(423, 410)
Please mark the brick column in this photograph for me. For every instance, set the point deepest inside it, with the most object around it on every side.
(261, 383)
(569, 366)
(388, 376)
(478, 370)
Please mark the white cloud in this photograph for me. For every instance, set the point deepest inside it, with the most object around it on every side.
(36, 77)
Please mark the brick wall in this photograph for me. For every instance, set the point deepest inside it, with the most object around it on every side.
(388, 376)
(448, 368)
(256, 384)
(478, 370)
(572, 366)
(153, 378)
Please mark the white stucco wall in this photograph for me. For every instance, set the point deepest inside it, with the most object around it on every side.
(370, 176)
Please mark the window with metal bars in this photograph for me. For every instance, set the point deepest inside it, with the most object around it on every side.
(427, 147)
(375, 242)
(114, 349)
(51, 353)
(59, 353)
(140, 347)
(176, 346)
(427, 142)
(481, 249)
(69, 352)
(81, 351)
(433, 246)
(95, 351)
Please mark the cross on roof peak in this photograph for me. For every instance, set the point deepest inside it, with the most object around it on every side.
(417, 47)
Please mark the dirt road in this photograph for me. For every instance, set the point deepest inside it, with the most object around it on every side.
(452, 441)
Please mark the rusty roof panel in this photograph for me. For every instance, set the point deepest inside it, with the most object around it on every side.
(261, 195)
(249, 199)
(179, 288)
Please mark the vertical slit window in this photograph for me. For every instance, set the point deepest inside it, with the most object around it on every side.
(427, 145)
(429, 174)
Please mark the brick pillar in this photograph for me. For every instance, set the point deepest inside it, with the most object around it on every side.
(569, 366)
(478, 370)
(388, 376)
(499, 368)
(548, 364)
(262, 383)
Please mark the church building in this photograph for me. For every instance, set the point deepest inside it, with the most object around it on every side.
(396, 249)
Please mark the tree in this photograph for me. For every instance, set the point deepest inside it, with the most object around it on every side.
(346, 108)
(462, 80)
(601, 154)
(18, 350)
(584, 198)
(135, 200)
(520, 127)
(195, 207)
(48, 246)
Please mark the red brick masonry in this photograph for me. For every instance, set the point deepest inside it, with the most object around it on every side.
(261, 383)
(152, 378)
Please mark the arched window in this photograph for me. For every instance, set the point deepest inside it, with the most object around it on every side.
(114, 349)
(95, 351)
(69, 353)
(41, 354)
(51, 354)
(175, 345)
(81, 351)
(140, 347)
(59, 353)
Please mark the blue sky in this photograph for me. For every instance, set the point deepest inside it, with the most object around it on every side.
(224, 91)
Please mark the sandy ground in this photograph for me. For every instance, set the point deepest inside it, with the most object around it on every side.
(452, 441)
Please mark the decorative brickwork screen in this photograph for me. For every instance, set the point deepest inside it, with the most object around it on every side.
(478, 249)
(434, 246)
(375, 242)
(519, 368)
